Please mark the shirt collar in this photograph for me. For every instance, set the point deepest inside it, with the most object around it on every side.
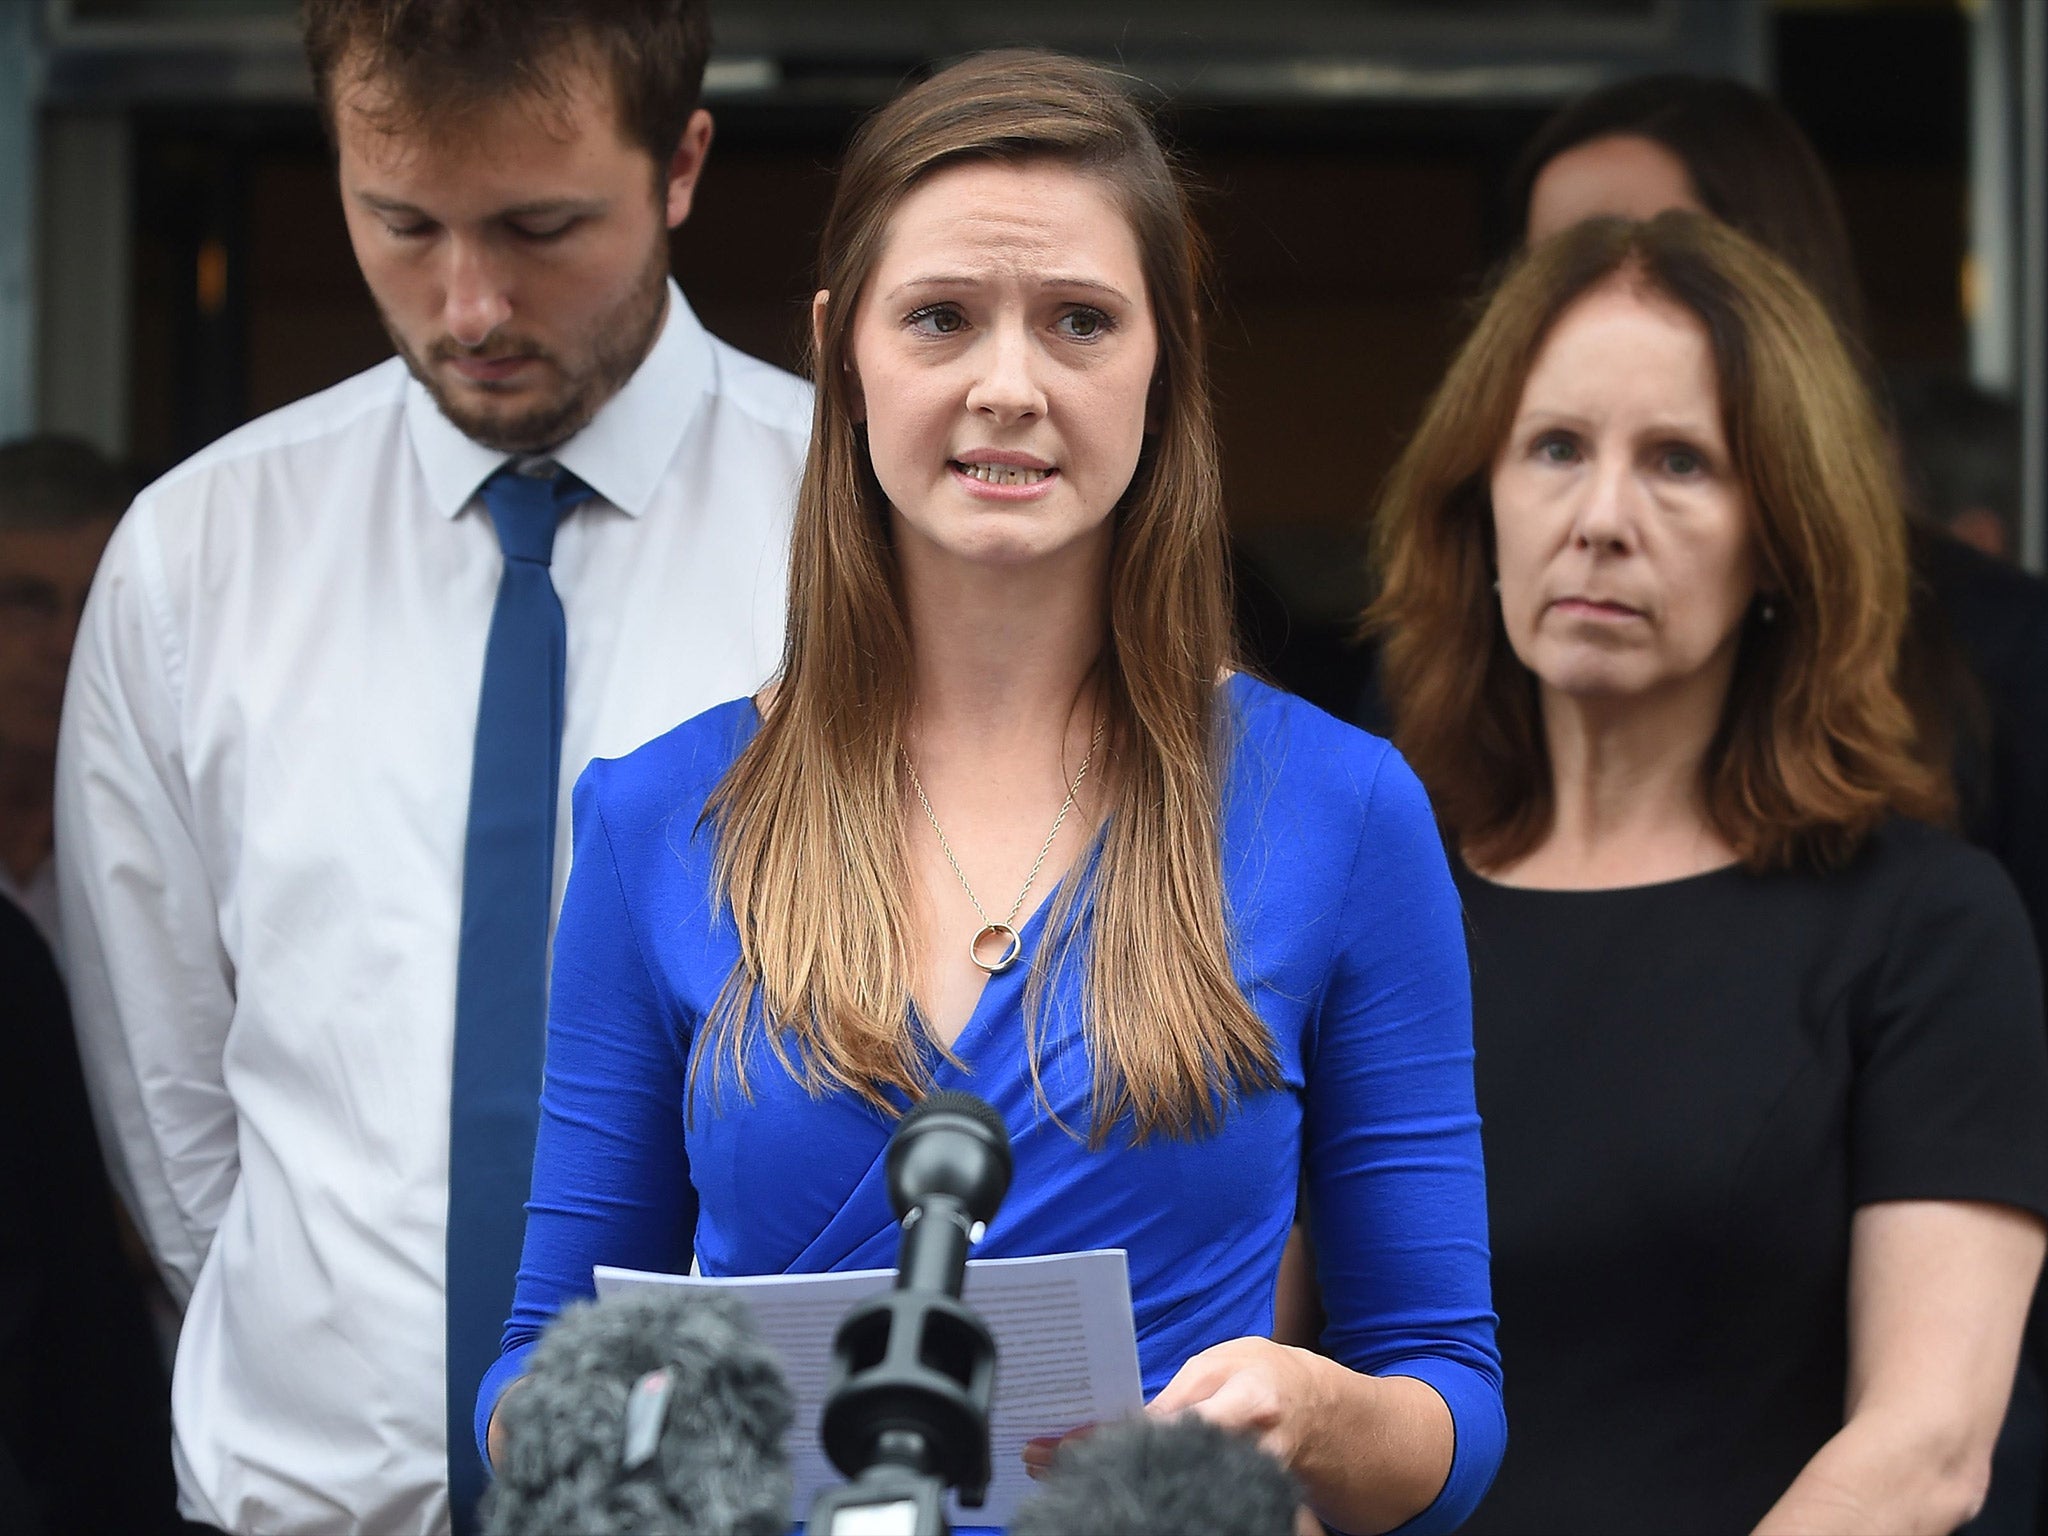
(623, 452)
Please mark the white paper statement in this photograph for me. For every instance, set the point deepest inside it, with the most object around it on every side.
(1066, 1353)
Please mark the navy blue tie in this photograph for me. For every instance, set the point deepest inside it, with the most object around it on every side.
(501, 984)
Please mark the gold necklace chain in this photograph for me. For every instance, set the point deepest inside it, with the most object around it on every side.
(1013, 946)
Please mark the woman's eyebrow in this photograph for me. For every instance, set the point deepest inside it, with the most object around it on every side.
(1061, 281)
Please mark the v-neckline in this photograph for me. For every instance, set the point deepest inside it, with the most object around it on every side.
(1014, 977)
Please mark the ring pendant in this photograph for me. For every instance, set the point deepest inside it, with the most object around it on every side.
(1013, 946)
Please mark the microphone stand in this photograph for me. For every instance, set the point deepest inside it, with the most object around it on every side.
(914, 1368)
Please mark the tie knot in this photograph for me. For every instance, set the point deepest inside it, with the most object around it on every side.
(527, 503)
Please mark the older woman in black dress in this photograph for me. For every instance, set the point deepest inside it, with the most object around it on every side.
(1760, 1049)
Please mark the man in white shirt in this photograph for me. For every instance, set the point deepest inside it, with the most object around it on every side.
(274, 746)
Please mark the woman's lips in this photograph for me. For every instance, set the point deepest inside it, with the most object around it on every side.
(1002, 482)
(1595, 608)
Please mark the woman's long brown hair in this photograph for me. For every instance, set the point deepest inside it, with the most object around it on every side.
(810, 818)
(1815, 746)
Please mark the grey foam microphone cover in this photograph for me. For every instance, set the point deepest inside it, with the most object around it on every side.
(1161, 1477)
(716, 1463)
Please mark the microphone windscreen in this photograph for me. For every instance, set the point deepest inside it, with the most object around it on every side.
(1162, 1477)
(719, 1466)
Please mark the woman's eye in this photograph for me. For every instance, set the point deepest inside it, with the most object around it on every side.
(1683, 462)
(1085, 324)
(1553, 449)
(409, 231)
(937, 320)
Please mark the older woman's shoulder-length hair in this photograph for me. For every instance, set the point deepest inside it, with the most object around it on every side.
(810, 857)
(1815, 746)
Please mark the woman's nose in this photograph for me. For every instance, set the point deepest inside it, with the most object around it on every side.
(1606, 514)
(1008, 387)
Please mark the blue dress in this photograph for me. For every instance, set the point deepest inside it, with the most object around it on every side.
(1349, 944)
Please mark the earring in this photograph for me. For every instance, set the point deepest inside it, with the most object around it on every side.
(1496, 586)
(1767, 611)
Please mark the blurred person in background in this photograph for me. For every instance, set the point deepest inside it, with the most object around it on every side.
(59, 498)
(1716, 146)
(334, 681)
(84, 1404)
(1961, 447)
(1760, 1052)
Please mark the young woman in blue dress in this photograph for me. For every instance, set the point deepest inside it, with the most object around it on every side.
(1009, 821)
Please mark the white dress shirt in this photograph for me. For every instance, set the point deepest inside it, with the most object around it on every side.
(263, 787)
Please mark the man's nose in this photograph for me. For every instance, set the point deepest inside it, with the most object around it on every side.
(478, 298)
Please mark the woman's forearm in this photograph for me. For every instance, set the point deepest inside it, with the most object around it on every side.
(1380, 1449)
(1886, 1475)
(1938, 1293)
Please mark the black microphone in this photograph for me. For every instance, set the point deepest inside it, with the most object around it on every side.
(1161, 1477)
(913, 1370)
(949, 1168)
(646, 1412)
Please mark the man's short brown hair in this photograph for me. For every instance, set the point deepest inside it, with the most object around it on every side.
(439, 59)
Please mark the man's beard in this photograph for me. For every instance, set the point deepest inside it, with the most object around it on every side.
(623, 339)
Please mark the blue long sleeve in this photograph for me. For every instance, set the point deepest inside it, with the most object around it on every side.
(1391, 1134)
(1347, 941)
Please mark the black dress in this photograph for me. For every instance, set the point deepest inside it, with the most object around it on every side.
(1687, 1090)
